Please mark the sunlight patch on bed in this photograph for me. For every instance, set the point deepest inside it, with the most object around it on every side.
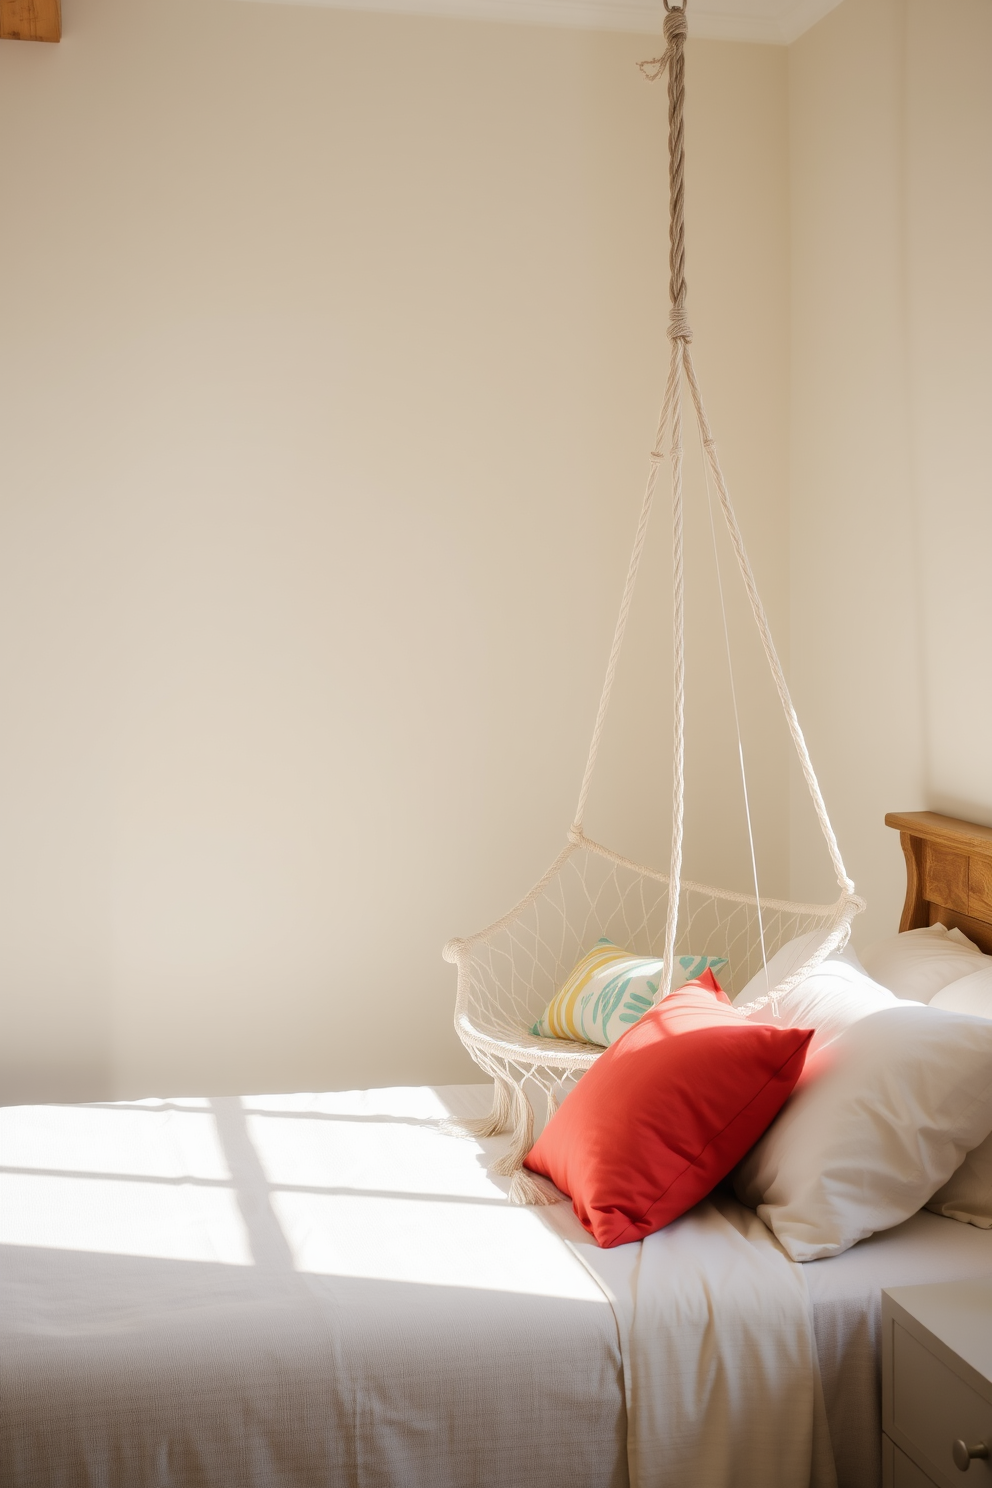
(111, 1217)
(394, 1102)
(371, 1155)
(506, 1249)
(153, 1139)
(363, 1184)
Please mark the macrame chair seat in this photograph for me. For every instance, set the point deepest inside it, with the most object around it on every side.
(508, 972)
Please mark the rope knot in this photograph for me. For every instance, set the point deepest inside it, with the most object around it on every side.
(676, 26)
(656, 457)
(679, 328)
(676, 31)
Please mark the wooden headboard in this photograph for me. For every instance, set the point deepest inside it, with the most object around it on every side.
(948, 873)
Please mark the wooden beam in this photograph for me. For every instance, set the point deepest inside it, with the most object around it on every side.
(30, 20)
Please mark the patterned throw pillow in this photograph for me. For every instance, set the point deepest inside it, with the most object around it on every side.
(608, 989)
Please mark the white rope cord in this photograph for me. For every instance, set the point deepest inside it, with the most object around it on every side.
(657, 455)
(737, 716)
(678, 700)
(761, 620)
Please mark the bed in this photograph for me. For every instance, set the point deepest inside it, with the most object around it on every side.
(331, 1289)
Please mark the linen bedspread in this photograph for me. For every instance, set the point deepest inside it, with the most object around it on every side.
(291, 1290)
(720, 1364)
(286, 1292)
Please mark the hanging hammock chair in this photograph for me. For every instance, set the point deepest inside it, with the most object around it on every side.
(508, 972)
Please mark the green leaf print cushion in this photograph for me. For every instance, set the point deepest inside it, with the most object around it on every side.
(608, 989)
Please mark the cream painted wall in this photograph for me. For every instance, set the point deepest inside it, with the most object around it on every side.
(330, 354)
(891, 502)
(949, 294)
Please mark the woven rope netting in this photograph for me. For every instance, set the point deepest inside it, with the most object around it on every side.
(508, 972)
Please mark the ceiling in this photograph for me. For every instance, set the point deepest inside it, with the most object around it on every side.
(777, 21)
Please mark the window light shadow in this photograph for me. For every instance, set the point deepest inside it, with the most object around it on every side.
(347, 1194)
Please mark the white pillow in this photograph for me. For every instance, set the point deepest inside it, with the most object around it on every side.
(962, 939)
(829, 1000)
(969, 994)
(786, 960)
(967, 1194)
(917, 963)
(879, 1120)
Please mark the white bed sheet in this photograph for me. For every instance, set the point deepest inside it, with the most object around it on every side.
(720, 1368)
(293, 1290)
(275, 1292)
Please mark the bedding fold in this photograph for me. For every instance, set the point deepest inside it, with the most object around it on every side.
(720, 1367)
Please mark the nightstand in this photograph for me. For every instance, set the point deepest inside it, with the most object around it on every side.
(937, 1385)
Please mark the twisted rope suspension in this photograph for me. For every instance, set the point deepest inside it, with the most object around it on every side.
(680, 332)
(672, 62)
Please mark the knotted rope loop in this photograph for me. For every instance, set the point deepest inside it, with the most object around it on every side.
(675, 24)
(679, 328)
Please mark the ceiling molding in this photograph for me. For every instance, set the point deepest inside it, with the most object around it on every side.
(800, 16)
(777, 22)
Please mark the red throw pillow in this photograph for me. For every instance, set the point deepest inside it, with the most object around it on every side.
(667, 1111)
